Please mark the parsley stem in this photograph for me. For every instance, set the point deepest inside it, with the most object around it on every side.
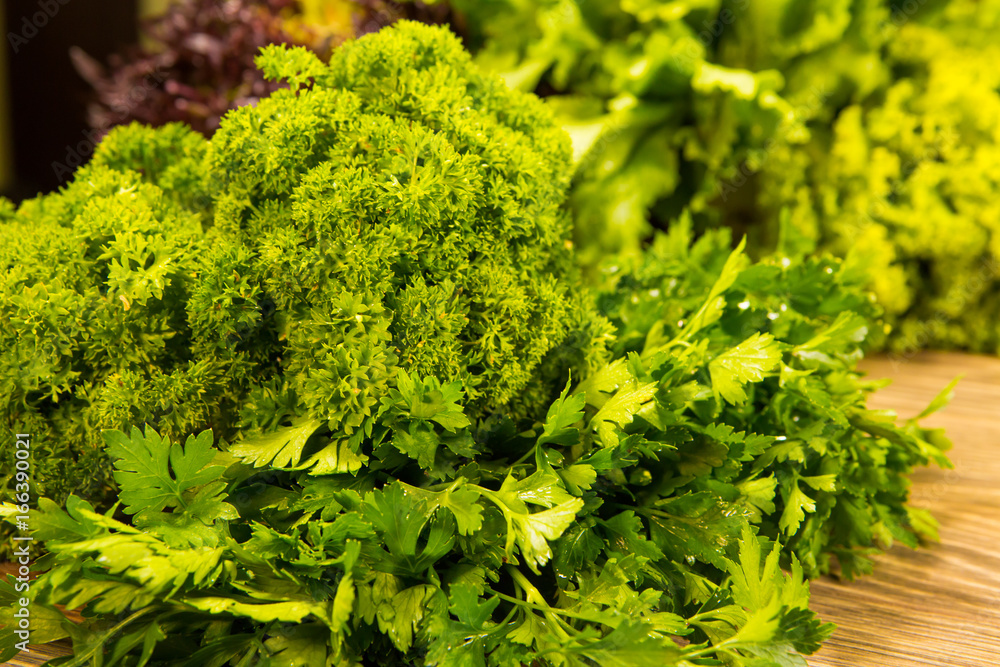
(534, 597)
(544, 608)
(696, 619)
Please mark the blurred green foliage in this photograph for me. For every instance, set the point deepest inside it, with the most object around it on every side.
(870, 124)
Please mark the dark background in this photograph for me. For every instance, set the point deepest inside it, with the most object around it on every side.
(47, 98)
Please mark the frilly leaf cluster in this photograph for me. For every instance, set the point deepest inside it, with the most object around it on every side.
(361, 410)
(667, 509)
(394, 211)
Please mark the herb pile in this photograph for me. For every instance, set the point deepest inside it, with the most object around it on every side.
(667, 103)
(352, 234)
(870, 124)
(904, 182)
(723, 109)
(360, 408)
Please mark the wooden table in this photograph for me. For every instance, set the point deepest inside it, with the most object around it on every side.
(939, 605)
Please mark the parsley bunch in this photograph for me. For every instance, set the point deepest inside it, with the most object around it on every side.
(429, 443)
(400, 212)
(642, 521)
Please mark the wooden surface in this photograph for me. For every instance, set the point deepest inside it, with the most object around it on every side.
(38, 654)
(939, 605)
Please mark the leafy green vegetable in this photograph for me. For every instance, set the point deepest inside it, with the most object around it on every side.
(747, 362)
(864, 128)
(404, 471)
(672, 105)
(898, 187)
(281, 283)
(555, 544)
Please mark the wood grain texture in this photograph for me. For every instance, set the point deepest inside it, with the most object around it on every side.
(939, 605)
(37, 655)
